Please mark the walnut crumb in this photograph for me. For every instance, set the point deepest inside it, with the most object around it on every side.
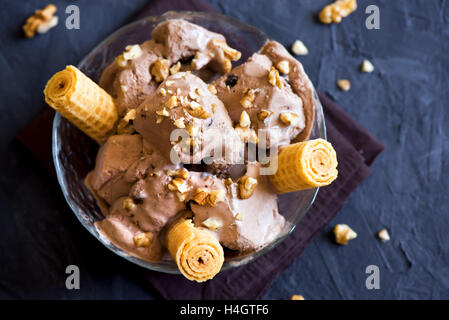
(247, 185)
(41, 21)
(299, 48)
(334, 12)
(343, 233)
(344, 84)
(143, 239)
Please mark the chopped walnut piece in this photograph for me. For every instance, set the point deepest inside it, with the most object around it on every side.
(172, 102)
(175, 68)
(196, 110)
(192, 129)
(212, 89)
(247, 185)
(283, 66)
(179, 184)
(41, 21)
(264, 114)
(163, 92)
(344, 84)
(204, 196)
(125, 124)
(179, 123)
(383, 235)
(131, 52)
(159, 119)
(337, 10)
(160, 69)
(179, 173)
(246, 134)
(128, 204)
(143, 239)
(274, 79)
(212, 223)
(163, 112)
(239, 216)
(296, 297)
(248, 98)
(299, 48)
(245, 121)
(367, 66)
(343, 233)
(289, 118)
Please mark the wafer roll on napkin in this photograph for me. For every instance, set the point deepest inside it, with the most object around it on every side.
(81, 101)
(197, 253)
(305, 165)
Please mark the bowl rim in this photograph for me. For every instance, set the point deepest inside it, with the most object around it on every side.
(172, 14)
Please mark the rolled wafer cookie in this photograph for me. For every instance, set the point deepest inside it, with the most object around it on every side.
(305, 165)
(197, 253)
(82, 102)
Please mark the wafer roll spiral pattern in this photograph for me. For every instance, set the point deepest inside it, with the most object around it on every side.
(81, 101)
(305, 165)
(197, 253)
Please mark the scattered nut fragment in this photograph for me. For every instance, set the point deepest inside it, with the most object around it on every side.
(163, 112)
(179, 184)
(264, 114)
(125, 125)
(179, 173)
(383, 235)
(175, 68)
(172, 102)
(179, 123)
(181, 196)
(245, 121)
(204, 196)
(163, 92)
(274, 79)
(41, 21)
(229, 53)
(283, 66)
(297, 297)
(248, 98)
(212, 89)
(247, 185)
(246, 134)
(343, 233)
(160, 69)
(143, 239)
(131, 52)
(299, 48)
(344, 84)
(159, 119)
(239, 216)
(289, 118)
(337, 10)
(192, 129)
(212, 223)
(367, 66)
(128, 204)
(196, 110)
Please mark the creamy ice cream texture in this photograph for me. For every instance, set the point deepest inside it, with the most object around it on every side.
(142, 191)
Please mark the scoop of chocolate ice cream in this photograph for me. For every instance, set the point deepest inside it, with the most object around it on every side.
(128, 81)
(240, 224)
(184, 103)
(281, 111)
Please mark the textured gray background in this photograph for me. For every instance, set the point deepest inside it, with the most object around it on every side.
(404, 103)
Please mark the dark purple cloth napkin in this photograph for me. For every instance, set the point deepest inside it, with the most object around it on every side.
(356, 149)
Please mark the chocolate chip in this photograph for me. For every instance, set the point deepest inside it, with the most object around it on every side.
(231, 80)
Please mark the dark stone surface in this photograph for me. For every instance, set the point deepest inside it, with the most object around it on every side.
(404, 103)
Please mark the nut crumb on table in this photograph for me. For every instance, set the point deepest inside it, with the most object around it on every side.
(41, 21)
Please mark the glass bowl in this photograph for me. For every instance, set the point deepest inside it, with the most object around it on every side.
(74, 152)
